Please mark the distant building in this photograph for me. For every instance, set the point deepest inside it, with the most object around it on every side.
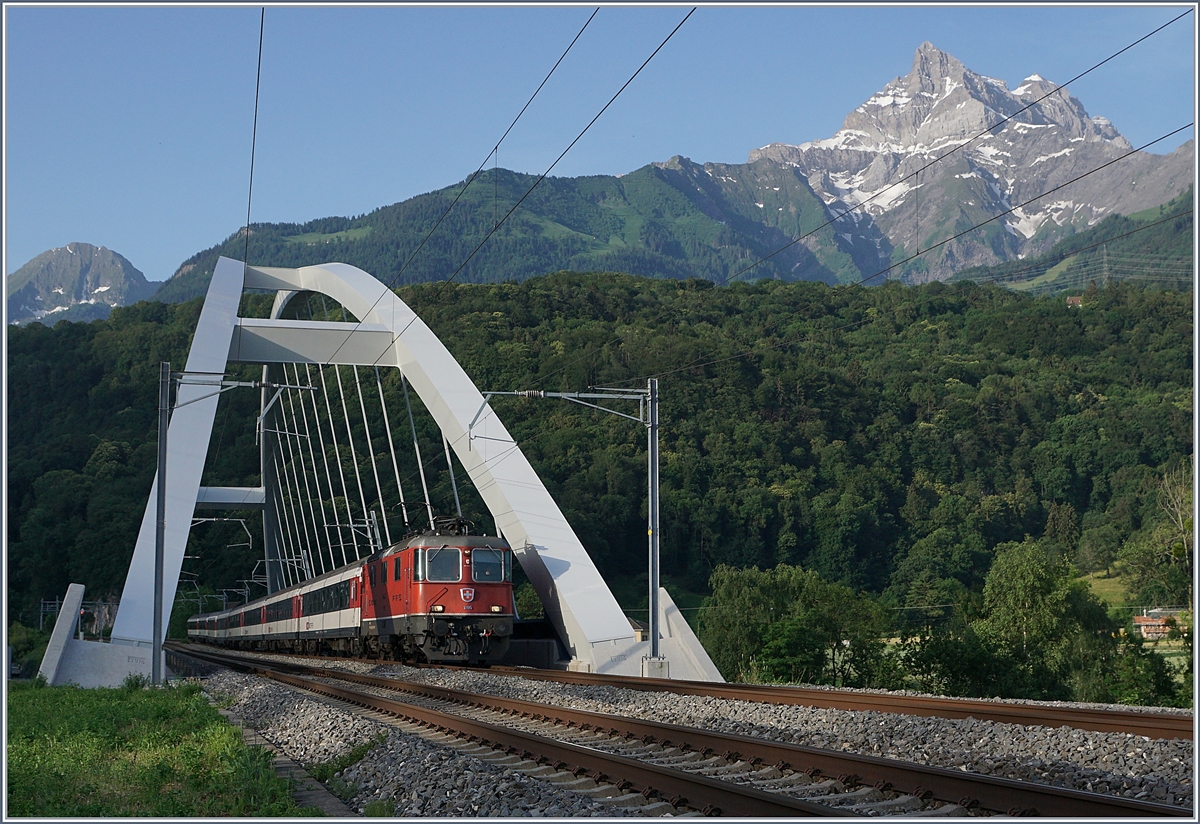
(1075, 302)
(1155, 623)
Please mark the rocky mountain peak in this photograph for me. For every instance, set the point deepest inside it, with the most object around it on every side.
(945, 146)
(931, 67)
(75, 275)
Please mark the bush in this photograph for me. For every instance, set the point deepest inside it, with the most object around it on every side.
(28, 646)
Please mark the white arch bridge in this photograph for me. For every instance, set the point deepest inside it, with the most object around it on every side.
(387, 333)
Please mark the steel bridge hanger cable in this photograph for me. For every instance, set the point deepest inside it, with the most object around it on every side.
(362, 405)
(312, 457)
(417, 449)
(387, 427)
(362, 498)
(392, 283)
(337, 457)
(304, 472)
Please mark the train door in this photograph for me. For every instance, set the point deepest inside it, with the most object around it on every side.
(406, 579)
(371, 594)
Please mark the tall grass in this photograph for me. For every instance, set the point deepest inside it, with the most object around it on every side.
(133, 751)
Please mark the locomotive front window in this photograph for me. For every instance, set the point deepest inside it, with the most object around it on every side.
(443, 564)
(491, 564)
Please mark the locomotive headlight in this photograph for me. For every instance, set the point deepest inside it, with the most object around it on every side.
(497, 609)
(437, 608)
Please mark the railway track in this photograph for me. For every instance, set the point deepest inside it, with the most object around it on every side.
(688, 768)
(1149, 724)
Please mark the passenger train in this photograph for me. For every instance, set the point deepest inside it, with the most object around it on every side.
(444, 596)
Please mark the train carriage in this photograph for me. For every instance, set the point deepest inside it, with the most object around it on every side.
(442, 596)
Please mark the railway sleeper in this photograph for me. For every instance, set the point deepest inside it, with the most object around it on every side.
(860, 795)
(817, 789)
(712, 761)
(678, 759)
(736, 768)
(946, 810)
(764, 774)
(644, 749)
(796, 779)
(901, 803)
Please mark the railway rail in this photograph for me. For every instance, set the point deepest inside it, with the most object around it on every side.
(698, 769)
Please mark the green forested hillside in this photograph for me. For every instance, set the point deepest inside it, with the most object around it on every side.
(889, 439)
(677, 220)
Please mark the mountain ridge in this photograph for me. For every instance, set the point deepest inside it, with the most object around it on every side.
(844, 209)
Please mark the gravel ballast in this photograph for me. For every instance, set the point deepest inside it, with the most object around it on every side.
(418, 777)
(1116, 763)
(1132, 766)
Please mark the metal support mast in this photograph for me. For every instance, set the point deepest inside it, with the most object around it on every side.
(652, 515)
(647, 416)
(160, 526)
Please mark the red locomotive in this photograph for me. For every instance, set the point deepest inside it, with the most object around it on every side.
(442, 596)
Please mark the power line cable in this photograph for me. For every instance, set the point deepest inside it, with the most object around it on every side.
(1001, 279)
(917, 172)
(392, 283)
(964, 285)
(254, 137)
(940, 243)
(253, 143)
(1047, 263)
(543, 176)
(697, 364)
(940, 158)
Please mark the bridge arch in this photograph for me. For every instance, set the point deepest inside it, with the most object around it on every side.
(577, 600)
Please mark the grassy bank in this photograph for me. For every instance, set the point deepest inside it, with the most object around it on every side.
(133, 752)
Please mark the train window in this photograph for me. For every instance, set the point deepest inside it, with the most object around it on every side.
(371, 572)
(444, 564)
(491, 564)
(418, 565)
(396, 568)
(279, 611)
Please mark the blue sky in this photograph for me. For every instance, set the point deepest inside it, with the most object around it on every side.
(129, 127)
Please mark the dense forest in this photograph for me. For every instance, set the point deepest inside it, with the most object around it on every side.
(896, 442)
